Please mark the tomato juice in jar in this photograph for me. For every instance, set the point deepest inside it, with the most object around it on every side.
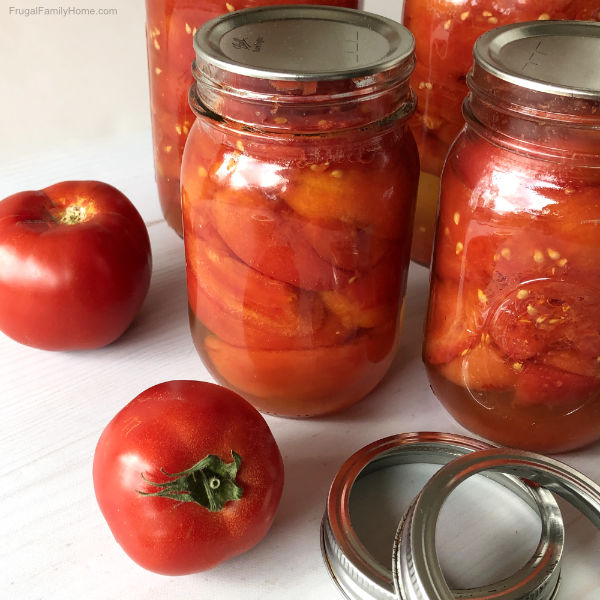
(512, 345)
(299, 179)
(170, 26)
(445, 31)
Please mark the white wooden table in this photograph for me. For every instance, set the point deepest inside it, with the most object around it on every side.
(55, 544)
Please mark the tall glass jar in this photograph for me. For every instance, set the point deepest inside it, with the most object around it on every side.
(445, 31)
(512, 343)
(299, 179)
(170, 26)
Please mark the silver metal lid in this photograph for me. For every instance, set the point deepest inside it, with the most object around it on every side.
(304, 43)
(557, 57)
(417, 573)
(359, 576)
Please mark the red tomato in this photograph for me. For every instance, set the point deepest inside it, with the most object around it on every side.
(465, 248)
(187, 475)
(347, 247)
(482, 368)
(75, 265)
(369, 299)
(342, 188)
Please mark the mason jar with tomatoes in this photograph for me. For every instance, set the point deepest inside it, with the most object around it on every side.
(170, 27)
(512, 344)
(445, 31)
(299, 179)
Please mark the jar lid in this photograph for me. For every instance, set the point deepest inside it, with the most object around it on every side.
(306, 43)
(360, 576)
(557, 57)
(417, 572)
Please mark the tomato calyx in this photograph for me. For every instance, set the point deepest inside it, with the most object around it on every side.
(73, 213)
(209, 483)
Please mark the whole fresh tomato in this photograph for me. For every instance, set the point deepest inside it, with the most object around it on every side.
(75, 265)
(187, 475)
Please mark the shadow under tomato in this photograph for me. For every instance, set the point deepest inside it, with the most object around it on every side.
(164, 313)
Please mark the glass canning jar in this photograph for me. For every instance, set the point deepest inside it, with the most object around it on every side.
(512, 343)
(170, 26)
(299, 179)
(445, 31)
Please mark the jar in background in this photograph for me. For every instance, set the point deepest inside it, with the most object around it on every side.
(512, 344)
(170, 26)
(445, 32)
(299, 179)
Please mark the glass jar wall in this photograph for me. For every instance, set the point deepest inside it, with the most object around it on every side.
(298, 197)
(445, 32)
(512, 344)
(170, 26)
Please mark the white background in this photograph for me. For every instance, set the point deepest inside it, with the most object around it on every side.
(67, 80)
(74, 104)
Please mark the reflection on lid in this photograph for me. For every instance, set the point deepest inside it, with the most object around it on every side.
(558, 57)
(303, 42)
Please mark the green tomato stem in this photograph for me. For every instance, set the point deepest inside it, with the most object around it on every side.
(211, 483)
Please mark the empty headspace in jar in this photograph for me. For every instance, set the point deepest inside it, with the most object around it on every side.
(485, 531)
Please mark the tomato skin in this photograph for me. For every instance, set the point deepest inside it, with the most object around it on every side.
(170, 427)
(71, 286)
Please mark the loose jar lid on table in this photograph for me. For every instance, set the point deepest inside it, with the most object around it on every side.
(360, 576)
(415, 572)
(416, 568)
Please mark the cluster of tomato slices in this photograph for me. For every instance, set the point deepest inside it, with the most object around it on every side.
(513, 337)
(295, 302)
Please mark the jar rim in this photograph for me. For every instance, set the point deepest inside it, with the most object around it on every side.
(402, 112)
